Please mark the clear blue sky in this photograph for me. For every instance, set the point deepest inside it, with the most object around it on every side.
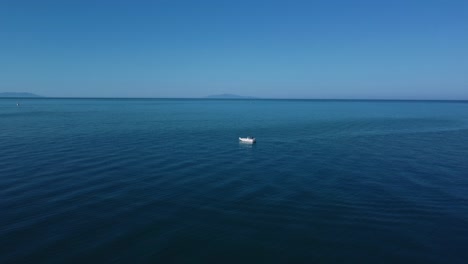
(413, 49)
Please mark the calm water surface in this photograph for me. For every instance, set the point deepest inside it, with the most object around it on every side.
(166, 181)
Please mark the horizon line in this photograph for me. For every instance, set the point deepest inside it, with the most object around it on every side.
(234, 99)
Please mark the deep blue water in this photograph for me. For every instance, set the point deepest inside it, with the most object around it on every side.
(166, 181)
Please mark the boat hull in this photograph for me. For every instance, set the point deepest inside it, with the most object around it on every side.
(247, 140)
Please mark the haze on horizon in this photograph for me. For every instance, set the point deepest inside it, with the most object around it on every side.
(269, 49)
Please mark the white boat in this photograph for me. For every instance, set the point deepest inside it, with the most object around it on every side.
(250, 140)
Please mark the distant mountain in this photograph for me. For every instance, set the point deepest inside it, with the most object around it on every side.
(229, 96)
(18, 95)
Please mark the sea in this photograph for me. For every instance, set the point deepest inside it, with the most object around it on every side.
(167, 181)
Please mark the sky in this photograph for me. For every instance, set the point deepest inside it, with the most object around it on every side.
(367, 49)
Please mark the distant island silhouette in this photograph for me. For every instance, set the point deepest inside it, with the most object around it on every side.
(229, 96)
(12, 94)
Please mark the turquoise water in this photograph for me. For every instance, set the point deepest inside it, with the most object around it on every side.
(166, 181)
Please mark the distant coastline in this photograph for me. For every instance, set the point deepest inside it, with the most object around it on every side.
(229, 96)
(18, 95)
